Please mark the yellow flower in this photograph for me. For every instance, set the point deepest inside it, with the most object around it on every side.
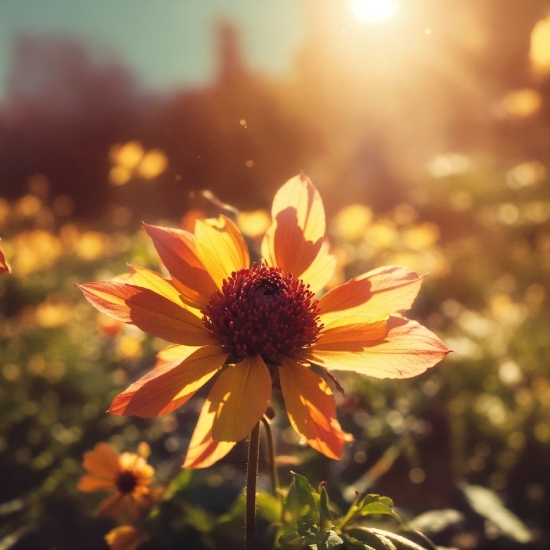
(258, 328)
(127, 474)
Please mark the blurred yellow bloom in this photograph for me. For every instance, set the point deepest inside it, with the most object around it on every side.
(351, 222)
(539, 53)
(521, 103)
(34, 250)
(253, 224)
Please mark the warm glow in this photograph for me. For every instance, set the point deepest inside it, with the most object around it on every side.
(539, 53)
(374, 11)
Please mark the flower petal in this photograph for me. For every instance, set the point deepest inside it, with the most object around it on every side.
(240, 397)
(146, 278)
(311, 409)
(112, 506)
(174, 353)
(178, 253)
(221, 248)
(94, 483)
(352, 332)
(203, 451)
(407, 350)
(148, 310)
(321, 270)
(297, 233)
(102, 461)
(4, 265)
(389, 289)
(169, 386)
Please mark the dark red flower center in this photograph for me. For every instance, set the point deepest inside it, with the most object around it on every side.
(126, 481)
(263, 310)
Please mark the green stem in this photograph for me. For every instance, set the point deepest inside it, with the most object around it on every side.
(271, 457)
(251, 478)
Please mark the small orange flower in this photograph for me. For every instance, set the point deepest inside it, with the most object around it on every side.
(127, 474)
(261, 327)
(124, 537)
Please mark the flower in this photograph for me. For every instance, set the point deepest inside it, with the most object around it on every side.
(124, 537)
(127, 474)
(259, 327)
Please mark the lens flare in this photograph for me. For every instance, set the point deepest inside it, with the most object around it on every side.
(374, 11)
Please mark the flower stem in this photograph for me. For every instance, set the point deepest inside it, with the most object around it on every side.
(271, 457)
(251, 478)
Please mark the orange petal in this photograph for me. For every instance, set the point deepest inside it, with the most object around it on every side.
(112, 506)
(174, 353)
(178, 253)
(149, 311)
(203, 451)
(169, 386)
(240, 397)
(102, 461)
(221, 248)
(4, 266)
(124, 537)
(389, 289)
(297, 233)
(353, 332)
(311, 409)
(408, 349)
(94, 483)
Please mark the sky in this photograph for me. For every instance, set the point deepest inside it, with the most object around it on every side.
(164, 42)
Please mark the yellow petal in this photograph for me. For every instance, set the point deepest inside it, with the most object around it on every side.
(170, 385)
(321, 270)
(203, 451)
(149, 311)
(174, 353)
(311, 409)
(389, 289)
(408, 349)
(296, 236)
(240, 397)
(221, 248)
(102, 461)
(156, 282)
(178, 253)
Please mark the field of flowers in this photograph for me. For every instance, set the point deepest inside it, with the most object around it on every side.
(462, 450)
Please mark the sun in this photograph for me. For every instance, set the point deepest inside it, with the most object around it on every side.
(374, 11)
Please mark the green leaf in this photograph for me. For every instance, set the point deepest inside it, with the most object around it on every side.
(269, 506)
(178, 484)
(353, 544)
(331, 541)
(304, 491)
(435, 521)
(397, 541)
(487, 503)
(326, 516)
(307, 526)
